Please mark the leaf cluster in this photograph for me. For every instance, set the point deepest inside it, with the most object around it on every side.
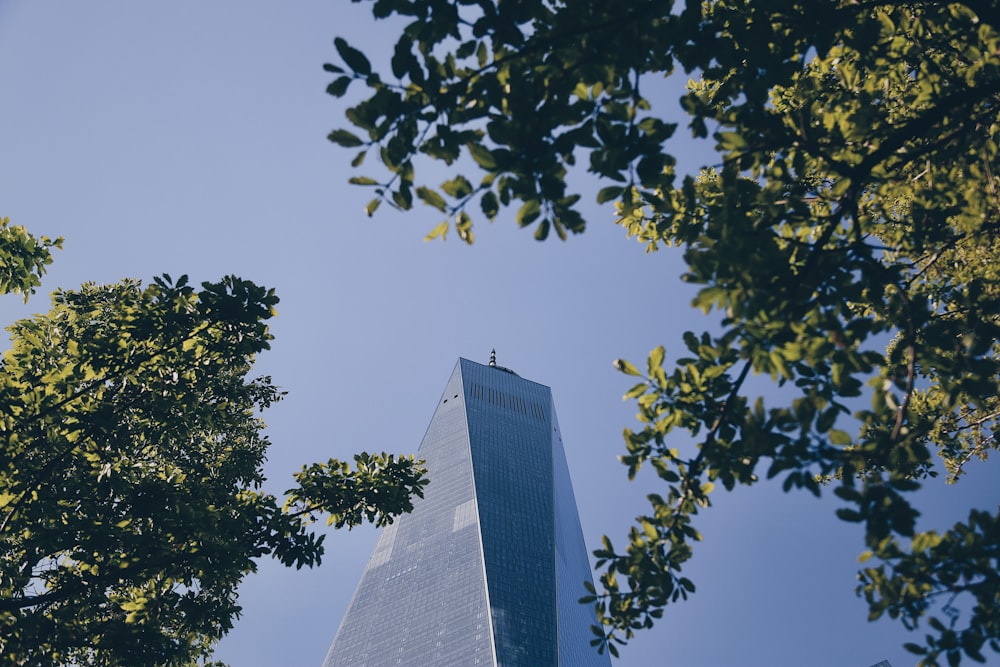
(521, 89)
(846, 238)
(379, 488)
(131, 454)
(23, 258)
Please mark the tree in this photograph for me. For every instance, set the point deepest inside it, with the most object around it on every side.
(854, 202)
(24, 258)
(131, 456)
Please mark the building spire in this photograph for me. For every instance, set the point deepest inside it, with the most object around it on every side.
(493, 357)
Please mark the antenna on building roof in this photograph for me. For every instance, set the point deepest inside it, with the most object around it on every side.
(493, 357)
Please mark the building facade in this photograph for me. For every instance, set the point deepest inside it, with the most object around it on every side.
(490, 565)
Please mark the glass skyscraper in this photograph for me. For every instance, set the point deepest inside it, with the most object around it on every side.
(489, 567)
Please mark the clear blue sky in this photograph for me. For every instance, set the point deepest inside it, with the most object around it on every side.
(189, 137)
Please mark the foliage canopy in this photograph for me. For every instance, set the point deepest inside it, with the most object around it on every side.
(854, 201)
(131, 456)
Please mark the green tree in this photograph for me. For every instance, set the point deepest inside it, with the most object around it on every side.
(131, 456)
(854, 200)
(23, 258)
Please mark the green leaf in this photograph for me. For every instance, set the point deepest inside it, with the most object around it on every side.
(656, 358)
(626, 367)
(840, 438)
(354, 58)
(432, 198)
(731, 141)
(457, 187)
(338, 87)
(344, 138)
(489, 204)
(852, 516)
(440, 231)
(636, 391)
(609, 193)
(542, 232)
(481, 54)
(463, 226)
(482, 155)
(826, 420)
(529, 212)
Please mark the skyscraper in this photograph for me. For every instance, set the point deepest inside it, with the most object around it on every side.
(489, 567)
